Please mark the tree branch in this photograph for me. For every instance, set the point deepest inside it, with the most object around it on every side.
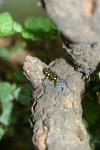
(57, 115)
(78, 20)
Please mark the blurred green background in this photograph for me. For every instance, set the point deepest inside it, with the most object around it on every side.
(20, 10)
(26, 30)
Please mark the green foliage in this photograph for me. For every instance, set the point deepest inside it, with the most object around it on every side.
(7, 25)
(17, 27)
(39, 23)
(91, 109)
(91, 97)
(23, 94)
(39, 28)
(2, 132)
(35, 28)
(92, 113)
(6, 92)
(7, 109)
(28, 34)
(5, 99)
(19, 76)
(9, 92)
(4, 53)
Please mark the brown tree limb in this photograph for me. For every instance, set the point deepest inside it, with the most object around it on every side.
(78, 20)
(57, 116)
(85, 57)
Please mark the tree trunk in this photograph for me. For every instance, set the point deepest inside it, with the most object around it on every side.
(57, 110)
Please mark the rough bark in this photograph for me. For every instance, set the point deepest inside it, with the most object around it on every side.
(57, 116)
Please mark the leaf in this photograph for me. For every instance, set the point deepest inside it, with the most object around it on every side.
(19, 76)
(13, 87)
(2, 132)
(92, 113)
(28, 34)
(39, 23)
(39, 28)
(38, 35)
(23, 95)
(7, 109)
(17, 27)
(6, 24)
(4, 53)
(6, 91)
(16, 93)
